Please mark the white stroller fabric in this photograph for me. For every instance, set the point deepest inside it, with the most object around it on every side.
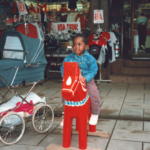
(14, 119)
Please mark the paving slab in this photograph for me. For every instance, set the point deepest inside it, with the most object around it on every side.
(113, 98)
(53, 83)
(110, 108)
(131, 113)
(136, 105)
(146, 146)
(131, 135)
(105, 89)
(135, 94)
(103, 94)
(48, 92)
(60, 107)
(147, 87)
(129, 125)
(106, 125)
(57, 121)
(33, 138)
(117, 92)
(93, 142)
(54, 106)
(105, 85)
(37, 89)
(124, 145)
(147, 100)
(147, 126)
(147, 114)
(136, 86)
(56, 98)
(22, 147)
(147, 95)
(134, 99)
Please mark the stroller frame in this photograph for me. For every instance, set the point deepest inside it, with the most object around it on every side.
(42, 118)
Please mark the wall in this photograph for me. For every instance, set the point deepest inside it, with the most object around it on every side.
(100, 4)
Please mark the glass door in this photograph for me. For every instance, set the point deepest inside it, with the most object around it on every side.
(127, 28)
(141, 29)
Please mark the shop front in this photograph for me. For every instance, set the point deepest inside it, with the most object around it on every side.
(132, 38)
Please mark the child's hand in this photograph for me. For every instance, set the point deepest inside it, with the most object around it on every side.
(84, 81)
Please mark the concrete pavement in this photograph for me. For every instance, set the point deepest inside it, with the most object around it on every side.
(125, 114)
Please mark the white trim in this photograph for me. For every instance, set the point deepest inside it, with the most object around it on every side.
(36, 52)
(14, 76)
(68, 90)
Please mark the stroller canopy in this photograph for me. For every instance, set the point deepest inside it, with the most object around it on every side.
(23, 58)
(21, 49)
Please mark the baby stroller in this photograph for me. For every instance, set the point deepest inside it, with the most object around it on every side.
(23, 61)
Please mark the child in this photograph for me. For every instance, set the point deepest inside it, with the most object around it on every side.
(88, 67)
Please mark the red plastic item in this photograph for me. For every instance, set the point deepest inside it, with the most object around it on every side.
(77, 104)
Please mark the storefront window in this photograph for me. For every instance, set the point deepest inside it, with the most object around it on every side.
(116, 24)
(127, 28)
(65, 19)
(120, 24)
(68, 11)
(141, 29)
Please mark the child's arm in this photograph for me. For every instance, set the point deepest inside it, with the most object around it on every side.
(62, 67)
(93, 68)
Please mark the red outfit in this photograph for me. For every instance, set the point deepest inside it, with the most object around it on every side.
(30, 30)
(106, 35)
(83, 20)
(102, 40)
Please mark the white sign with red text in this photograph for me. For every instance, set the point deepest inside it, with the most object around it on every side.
(98, 16)
(67, 25)
(21, 7)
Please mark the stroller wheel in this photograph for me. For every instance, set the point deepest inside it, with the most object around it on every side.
(12, 127)
(42, 118)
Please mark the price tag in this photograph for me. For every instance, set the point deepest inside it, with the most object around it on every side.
(98, 16)
(21, 8)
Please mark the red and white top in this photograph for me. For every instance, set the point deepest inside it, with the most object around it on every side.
(30, 30)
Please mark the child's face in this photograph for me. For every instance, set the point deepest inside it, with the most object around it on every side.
(79, 46)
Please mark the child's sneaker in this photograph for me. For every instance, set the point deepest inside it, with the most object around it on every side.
(93, 119)
(62, 122)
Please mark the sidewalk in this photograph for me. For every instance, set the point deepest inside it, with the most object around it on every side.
(125, 114)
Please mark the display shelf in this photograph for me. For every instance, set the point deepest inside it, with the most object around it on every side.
(4, 2)
(56, 55)
(54, 71)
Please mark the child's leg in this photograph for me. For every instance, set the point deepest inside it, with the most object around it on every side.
(94, 96)
(63, 101)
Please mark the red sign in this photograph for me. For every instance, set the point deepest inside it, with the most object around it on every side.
(21, 8)
(98, 16)
(69, 25)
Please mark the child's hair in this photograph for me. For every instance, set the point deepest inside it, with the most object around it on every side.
(83, 36)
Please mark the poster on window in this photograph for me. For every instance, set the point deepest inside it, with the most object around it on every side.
(98, 16)
(67, 25)
(21, 7)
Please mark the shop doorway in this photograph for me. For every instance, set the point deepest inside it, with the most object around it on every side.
(140, 47)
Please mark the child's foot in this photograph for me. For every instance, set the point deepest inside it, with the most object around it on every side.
(62, 123)
(93, 119)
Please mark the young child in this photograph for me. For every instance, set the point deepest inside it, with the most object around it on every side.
(88, 67)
